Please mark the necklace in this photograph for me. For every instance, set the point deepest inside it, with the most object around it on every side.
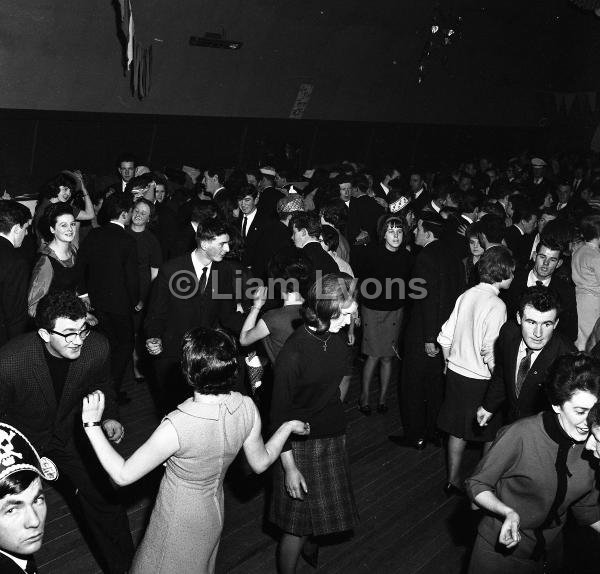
(319, 338)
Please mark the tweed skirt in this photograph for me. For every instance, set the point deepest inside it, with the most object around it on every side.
(458, 413)
(381, 330)
(329, 505)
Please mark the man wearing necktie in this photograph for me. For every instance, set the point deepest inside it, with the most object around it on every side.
(524, 352)
(252, 227)
(194, 290)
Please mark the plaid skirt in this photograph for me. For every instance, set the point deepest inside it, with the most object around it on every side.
(329, 505)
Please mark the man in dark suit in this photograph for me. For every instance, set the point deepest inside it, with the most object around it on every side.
(523, 354)
(421, 197)
(193, 290)
(363, 213)
(306, 229)
(520, 236)
(109, 261)
(22, 503)
(252, 225)
(15, 220)
(43, 379)
(548, 260)
(189, 215)
(269, 194)
(125, 164)
(437, 281)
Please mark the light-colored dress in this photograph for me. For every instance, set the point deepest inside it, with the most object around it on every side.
(186, 523)
(585, 271)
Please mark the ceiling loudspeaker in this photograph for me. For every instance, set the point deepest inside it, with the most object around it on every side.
(212, 40)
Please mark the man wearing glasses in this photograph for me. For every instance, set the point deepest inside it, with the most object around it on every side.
(44, 376)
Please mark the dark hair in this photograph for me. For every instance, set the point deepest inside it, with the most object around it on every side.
(220, 173)
(56, 305)
(209, 361)
(53, 186)
(335, 213)
(291, 270)
(361, 183)
(541, 298)
(523, 210)
(394, 220)
(571, 373)
(16, 482)
(590, 227)
(490, 208)
(126, 157)
(550, 242)
(12, 213)
(246, 190)
(51, 214)
(495, 264)
(325, 300)
(116, 204)
(492, 227)
(470, 201)
(431, 222)
(306, 220)
(593, 418)
(331, 237)
(211, 228)
(202, 210)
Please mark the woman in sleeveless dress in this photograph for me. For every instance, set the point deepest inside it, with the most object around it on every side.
(198, 441)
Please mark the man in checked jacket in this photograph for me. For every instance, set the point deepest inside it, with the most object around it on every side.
(44, 376)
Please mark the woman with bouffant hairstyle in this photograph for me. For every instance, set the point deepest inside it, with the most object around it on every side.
(312, 493)
(197, 442)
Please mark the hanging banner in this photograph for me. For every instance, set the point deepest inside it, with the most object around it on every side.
(302, 99)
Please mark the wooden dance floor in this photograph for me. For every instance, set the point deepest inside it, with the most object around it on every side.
(407, 524)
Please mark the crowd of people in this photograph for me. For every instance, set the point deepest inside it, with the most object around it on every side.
(248, 299)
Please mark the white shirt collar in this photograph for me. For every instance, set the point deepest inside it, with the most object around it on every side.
(385, 188)
(195, 225)
(250, 218)
(198, 267)
(123, 185)
(520, 230)
(18, 561)
(418, 193)
(435, 206)
(118, 223)
(532, 280)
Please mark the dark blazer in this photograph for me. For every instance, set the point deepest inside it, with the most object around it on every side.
(441, 274)
(363, 214)
(255, 236)
(267, 203)
(27, 399)
(14, 282)
(176, 304)
(319, 260)
(109, 262)
(8, 566)
(277, 238)
(501, 387)
(563, 288)
(520, 245)
(422, 201)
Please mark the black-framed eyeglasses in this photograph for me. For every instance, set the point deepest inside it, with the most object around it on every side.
(70, 337)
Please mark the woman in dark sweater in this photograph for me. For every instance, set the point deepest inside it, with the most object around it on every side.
(55, 270)
(384, 271)
(312, 494)
(534, 472)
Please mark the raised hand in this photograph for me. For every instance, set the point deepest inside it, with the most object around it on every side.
(93, 407)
